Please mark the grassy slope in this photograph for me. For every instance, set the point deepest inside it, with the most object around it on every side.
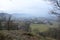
(43, 27)
(40, 27)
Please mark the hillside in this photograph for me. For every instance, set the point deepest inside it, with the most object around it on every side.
(20, 35)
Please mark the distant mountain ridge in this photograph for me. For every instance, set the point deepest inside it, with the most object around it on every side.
(22, 15)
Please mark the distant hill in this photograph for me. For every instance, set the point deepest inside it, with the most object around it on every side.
(4, 14)
(26, 16)
(17, 15)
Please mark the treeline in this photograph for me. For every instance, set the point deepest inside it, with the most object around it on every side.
(7, 22)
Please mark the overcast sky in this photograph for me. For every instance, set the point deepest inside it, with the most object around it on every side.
(34, 7)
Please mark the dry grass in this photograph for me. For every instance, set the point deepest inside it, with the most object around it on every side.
(17, 35)
(20, 35)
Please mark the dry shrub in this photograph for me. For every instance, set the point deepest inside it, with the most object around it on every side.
(5, 37)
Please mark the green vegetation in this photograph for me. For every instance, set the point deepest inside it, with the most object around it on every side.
(40, 27)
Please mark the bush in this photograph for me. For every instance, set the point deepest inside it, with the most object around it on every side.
(5, 37)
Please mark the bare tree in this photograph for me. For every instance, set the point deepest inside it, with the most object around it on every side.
(8, 22)
(56, 11)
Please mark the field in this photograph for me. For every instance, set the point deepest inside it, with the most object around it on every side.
(40, 27)
(43, 27)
